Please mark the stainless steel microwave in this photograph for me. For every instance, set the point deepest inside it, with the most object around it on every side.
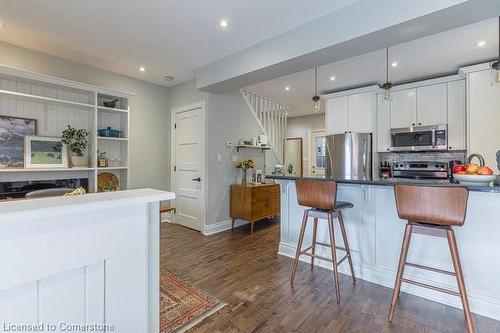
(420, 138)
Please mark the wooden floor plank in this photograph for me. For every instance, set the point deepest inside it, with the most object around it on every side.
(246, 272)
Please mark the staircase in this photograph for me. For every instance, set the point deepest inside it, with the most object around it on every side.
(271, 117)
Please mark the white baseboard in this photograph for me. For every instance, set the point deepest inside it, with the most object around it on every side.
(221, 226)
(479, 304)
(167, 217)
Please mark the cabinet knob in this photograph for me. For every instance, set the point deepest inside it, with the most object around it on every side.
(449, 147)
(388, 149)
(419, 124)
(412, 124)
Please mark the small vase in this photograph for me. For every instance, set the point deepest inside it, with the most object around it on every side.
(244, 180)
(79, 161)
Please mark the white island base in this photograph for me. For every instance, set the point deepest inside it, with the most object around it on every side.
(87, 261)
(375, 234)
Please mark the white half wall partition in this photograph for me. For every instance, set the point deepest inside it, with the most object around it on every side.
(82, 263)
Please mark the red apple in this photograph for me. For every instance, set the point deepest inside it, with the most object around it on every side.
(458, 168)
(486, 171)
(461, 173)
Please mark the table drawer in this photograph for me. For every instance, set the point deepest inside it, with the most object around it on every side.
(260, 194)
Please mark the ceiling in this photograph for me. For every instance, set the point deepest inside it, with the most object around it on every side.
(434, 55)
(167, 37)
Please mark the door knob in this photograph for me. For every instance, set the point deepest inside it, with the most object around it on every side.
(196, 179)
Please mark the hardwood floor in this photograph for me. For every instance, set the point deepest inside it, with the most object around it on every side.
(245, 272)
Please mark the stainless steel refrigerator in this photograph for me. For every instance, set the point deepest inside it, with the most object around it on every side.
(349, 156)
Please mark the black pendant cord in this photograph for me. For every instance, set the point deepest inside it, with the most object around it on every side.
(496, 64)
(315, 81)
(387, 65)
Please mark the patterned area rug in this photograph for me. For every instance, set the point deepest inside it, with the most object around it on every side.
(182, 305)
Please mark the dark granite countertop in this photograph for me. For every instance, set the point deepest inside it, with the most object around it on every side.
(392, 182)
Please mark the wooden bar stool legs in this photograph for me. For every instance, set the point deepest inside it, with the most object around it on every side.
(401, 268)
(329, 216)
(460, 278)
(440, 232)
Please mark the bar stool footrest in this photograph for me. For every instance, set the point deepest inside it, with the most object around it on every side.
(323, 258)
(428, 286)
(432, 269)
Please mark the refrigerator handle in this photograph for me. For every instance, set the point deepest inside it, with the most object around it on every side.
(365, 155)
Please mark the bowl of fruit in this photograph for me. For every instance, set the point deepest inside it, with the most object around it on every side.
(473, 174)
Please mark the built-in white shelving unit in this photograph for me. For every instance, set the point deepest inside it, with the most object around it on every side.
(55, 103)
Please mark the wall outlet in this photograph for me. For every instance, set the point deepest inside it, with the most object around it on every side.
(229, 144)
(219, 157)
(235, 158)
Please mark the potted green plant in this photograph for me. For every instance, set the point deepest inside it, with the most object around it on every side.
(76, 140)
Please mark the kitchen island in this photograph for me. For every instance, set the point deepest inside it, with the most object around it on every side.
(375, 234)
(91, 261)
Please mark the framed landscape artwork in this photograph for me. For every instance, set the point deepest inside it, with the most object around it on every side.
(12, 133)
(45, 152)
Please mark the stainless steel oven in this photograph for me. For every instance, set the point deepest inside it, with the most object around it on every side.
(420, 138)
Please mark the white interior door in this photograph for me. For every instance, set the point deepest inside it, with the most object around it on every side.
(317, 153)
(189, 164)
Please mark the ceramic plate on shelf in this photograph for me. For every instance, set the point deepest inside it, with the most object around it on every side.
(474, 180)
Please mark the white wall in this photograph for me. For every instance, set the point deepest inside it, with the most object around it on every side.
(299, 127)
(228, 119)
(149, 117)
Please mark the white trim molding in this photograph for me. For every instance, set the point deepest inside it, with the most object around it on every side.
(221, 226)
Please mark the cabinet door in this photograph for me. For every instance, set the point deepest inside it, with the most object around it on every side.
(403, 108)
(484, 116)
(383, 124)
(456, 115)
(337, 115)
(432, 105)
(361, 112)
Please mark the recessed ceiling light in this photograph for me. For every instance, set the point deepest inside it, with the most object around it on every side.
(394, 64)
(481, 43)
(1, 25)
(224, 23)
(287, 88)
(332, 78)
(142, 69)
(168, 78)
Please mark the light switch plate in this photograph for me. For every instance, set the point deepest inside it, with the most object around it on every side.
(219, 157)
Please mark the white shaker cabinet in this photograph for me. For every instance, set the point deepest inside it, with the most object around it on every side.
(456, 115)
(361, 112)
(337, 115)
(432, 105)
(383, 124)
(403, 108)
(484, 115)
(350, 113)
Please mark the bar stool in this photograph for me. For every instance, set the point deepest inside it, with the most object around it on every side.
(321, 196)
(432, 211)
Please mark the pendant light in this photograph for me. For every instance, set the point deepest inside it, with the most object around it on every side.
(496, 64)
(316, 98)
(388, 84)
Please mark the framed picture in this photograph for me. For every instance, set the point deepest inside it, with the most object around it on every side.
(12, 133)
(45, 152)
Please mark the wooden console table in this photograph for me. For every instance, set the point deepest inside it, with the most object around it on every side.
(253, 202)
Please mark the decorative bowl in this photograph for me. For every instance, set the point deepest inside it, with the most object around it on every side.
(474, 180)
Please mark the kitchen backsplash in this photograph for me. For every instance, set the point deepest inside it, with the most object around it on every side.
(421, 156)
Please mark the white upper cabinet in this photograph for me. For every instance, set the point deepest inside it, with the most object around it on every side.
(432, 105)
(361, 112)
(484, 115)
(337, 115)
(351, 113)
(456, 115)
(384, 124)
(403, 108)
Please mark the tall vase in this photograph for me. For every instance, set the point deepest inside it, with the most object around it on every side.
(244, 180)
